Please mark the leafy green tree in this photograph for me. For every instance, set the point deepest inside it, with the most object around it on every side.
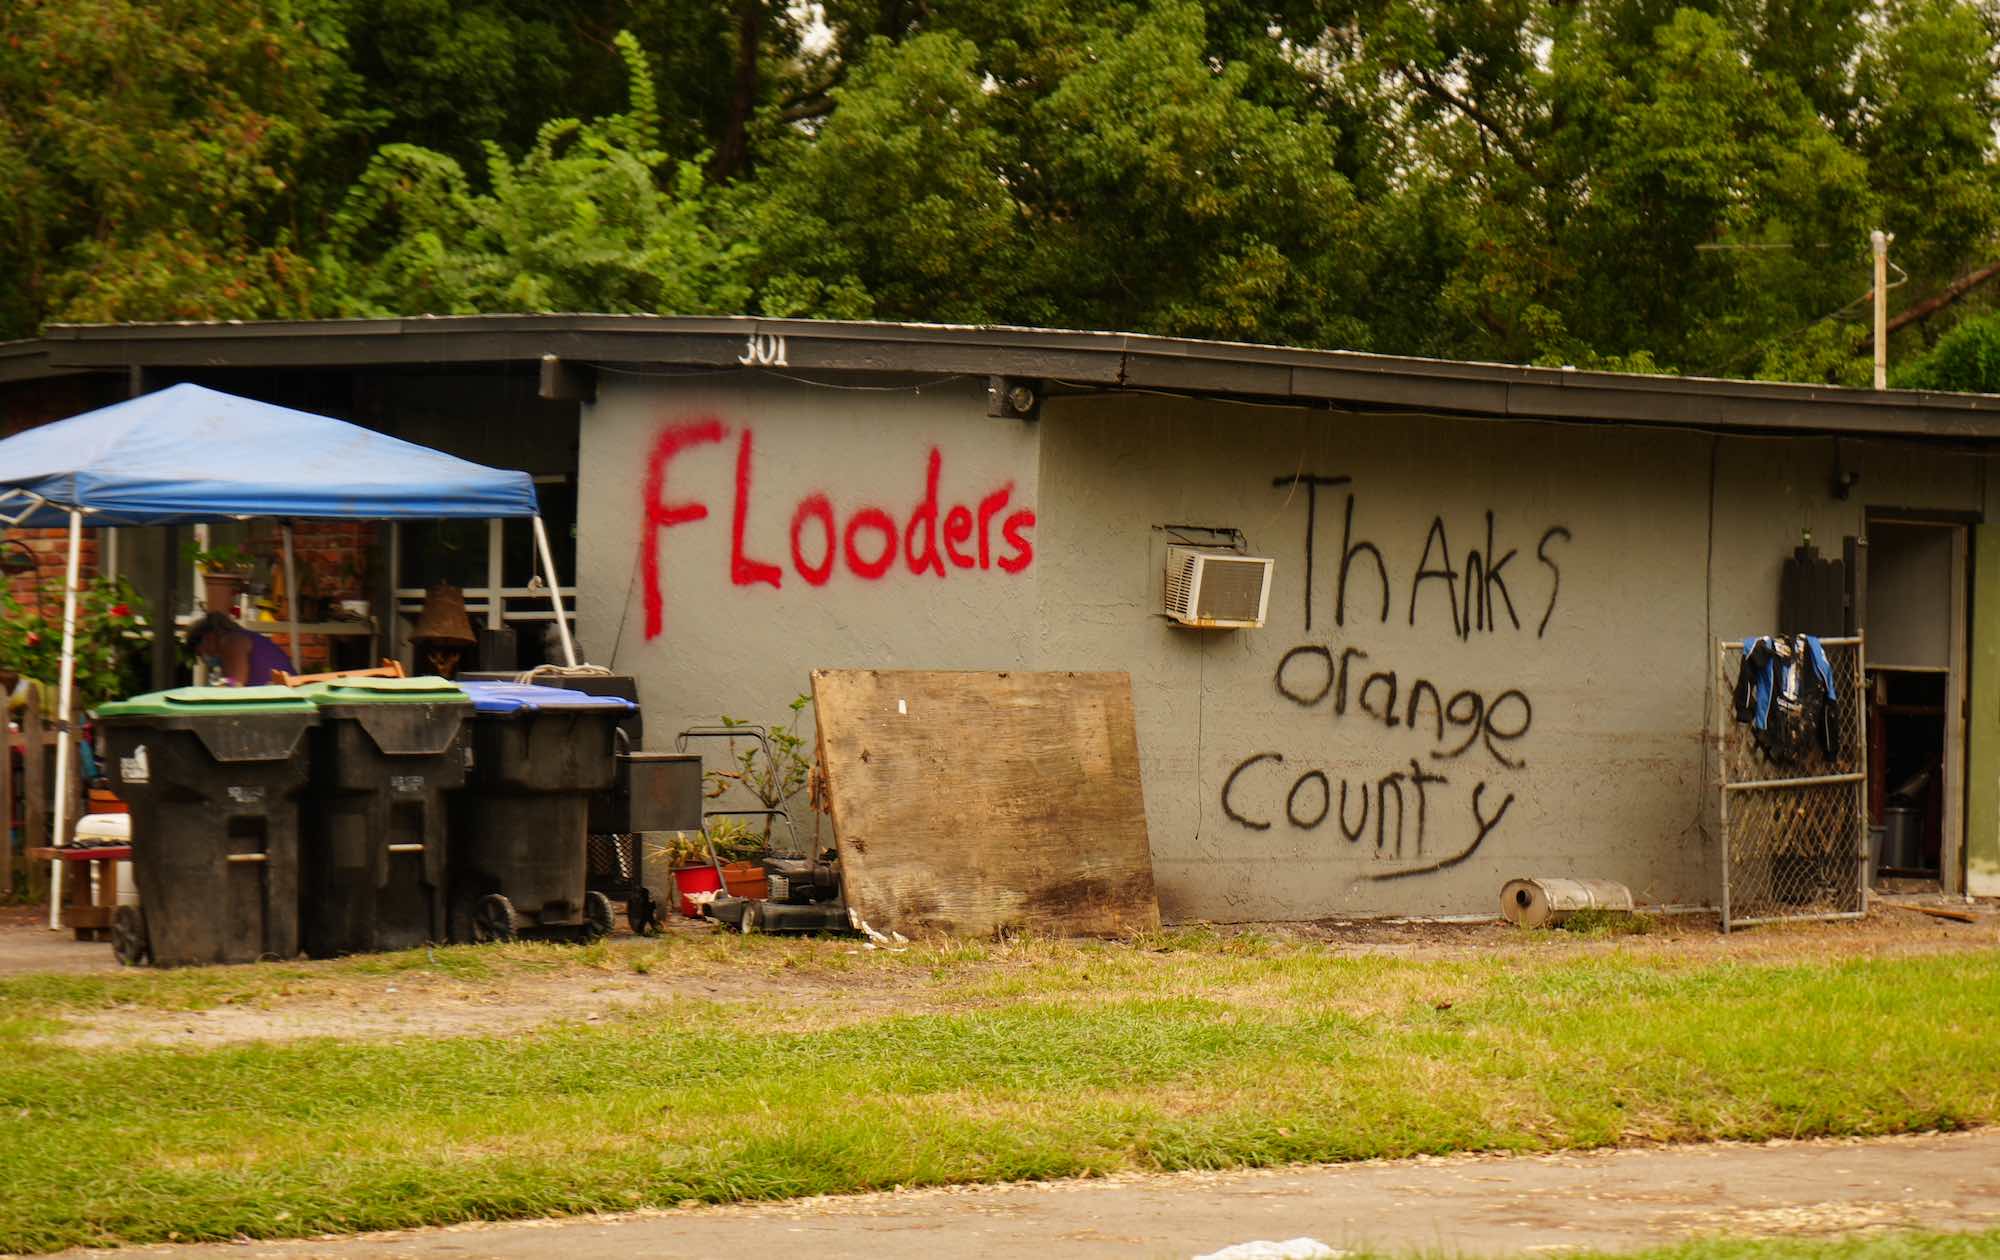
(148, 150)
(1148, 150)
(1644, 184)
(454, 75)
(895, 204)
(595, 217)
(1049, 175)
(1966, 359)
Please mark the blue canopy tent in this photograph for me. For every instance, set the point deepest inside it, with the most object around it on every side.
(188, 455)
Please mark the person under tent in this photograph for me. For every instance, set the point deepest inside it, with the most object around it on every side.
(242, 658)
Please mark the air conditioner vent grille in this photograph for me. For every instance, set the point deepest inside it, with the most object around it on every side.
(1180, 579)
(1231, 590)
(1216, 590)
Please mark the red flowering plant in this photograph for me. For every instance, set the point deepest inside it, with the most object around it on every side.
(110, 638)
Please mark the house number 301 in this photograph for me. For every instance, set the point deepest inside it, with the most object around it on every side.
(763, 350)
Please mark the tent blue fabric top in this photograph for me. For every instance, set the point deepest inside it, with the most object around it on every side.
(189, 454)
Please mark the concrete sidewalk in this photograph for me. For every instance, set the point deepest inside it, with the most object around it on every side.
(1469, 1205)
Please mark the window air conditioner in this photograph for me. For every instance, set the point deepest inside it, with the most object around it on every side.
(1217, 590)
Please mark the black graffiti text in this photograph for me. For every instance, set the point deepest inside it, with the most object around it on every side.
(1472, 587)
(1262, 788)
(1313, 675)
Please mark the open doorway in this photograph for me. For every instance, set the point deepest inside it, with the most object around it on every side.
(1914, 612)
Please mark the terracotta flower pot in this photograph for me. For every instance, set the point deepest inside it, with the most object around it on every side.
(747, 880)
(219, 591)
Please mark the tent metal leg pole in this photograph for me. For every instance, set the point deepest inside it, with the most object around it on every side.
(555, 591)
(291, 595)
(59, 834)
(392, 619)
(496, 609)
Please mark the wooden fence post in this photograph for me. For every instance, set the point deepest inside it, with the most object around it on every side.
(34, 791)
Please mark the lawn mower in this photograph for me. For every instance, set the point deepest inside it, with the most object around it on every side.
(804, 892)
(804, 897)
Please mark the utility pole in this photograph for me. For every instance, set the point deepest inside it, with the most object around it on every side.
(1879, 240)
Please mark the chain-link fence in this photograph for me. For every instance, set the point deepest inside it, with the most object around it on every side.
(1794, 815)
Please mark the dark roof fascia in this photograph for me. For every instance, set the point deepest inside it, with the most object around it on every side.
(28, 360)
(1336, 379)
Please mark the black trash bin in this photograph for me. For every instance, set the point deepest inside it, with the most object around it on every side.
(385, 754)
(518, 830)
(213, 777)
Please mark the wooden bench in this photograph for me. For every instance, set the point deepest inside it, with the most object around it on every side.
(90, 920)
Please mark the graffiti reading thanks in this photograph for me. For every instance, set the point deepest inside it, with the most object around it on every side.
(1434, 807)
(933, 537)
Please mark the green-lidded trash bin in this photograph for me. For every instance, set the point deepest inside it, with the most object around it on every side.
(386, 752)
(518, 830)
(213, 777)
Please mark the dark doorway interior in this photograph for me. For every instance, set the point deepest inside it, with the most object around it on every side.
(1915, 607)
(1906, 771)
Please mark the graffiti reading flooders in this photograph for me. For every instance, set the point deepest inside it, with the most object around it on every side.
(932, 537)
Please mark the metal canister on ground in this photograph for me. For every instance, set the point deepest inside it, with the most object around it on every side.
(1544, 901)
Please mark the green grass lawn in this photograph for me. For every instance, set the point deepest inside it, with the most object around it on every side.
(965, 1064)
(1918, 1246)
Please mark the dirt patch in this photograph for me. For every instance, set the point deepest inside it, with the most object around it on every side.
(811, 984)
(418, 1004)
(1889, 930)
(27, 945)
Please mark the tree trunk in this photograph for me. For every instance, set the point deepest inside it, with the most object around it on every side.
(732, 156)
(1918, 312)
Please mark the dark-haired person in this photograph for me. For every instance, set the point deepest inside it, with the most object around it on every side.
(243, 658)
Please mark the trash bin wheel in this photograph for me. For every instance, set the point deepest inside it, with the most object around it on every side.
(598, 917)
(753, 918)
(642, 913)
(493, 919)
(128, 936)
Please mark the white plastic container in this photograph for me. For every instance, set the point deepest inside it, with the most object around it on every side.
(107, 829)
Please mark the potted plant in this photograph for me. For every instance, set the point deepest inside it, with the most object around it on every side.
(686, 856)
(225, 571)
(772, 770)
(734, 844)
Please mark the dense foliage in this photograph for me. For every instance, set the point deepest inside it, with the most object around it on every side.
(110, 638)
(1627, 183)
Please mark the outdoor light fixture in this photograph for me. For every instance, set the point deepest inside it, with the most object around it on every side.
(16, 558)
(1843, 476)
(1013, 398)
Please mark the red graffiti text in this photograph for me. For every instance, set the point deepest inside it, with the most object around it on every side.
(870, 541)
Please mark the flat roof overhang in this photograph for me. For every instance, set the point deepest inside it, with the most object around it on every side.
(1068, 360)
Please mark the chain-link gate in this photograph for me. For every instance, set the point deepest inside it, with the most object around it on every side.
(1794, 837)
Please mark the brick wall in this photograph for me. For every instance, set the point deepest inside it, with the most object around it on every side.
(51, 548)
(332, 559)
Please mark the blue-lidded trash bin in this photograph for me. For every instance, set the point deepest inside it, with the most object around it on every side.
(518, 831)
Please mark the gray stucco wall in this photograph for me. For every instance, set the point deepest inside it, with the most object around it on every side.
(742, 640)
(1573, 684)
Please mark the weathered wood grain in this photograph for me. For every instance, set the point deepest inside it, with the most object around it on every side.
(34, 790)
(983, 804)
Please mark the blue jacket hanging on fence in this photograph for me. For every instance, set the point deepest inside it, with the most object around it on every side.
(1785, 691)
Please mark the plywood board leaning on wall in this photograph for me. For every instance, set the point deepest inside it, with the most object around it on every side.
(979, 804)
